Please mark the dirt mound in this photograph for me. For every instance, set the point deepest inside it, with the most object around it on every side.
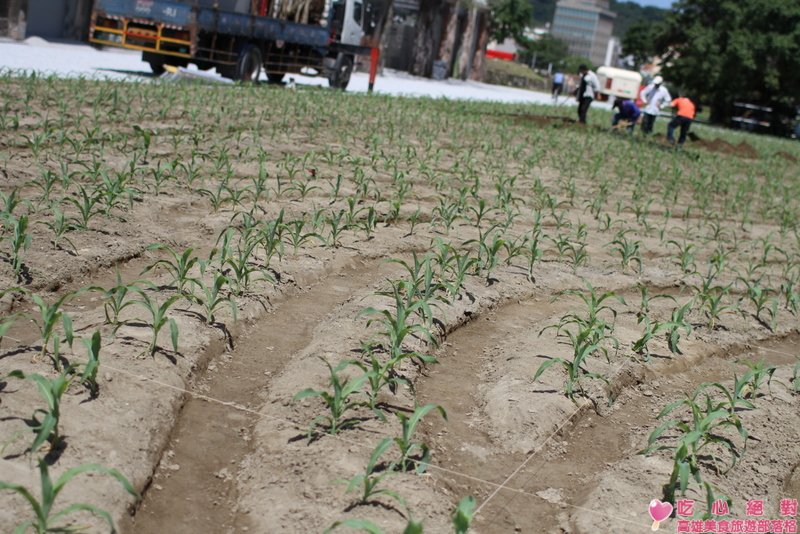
(785, 155)
(743, 149)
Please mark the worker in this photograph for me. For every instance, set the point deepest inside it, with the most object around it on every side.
(683, 118)
(558, 85)
(586, 89)
(627, 112)
(654, 97)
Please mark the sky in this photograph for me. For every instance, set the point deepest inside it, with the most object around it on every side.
(658, 3)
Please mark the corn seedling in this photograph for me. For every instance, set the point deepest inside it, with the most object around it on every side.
(178, 266)
(46, 519)
(211, 297)
(87, 206)
(576, 374)
(60, 227)
(52, 390)
(368, 481)
(488, 251)
(627, 249)
(672, 328)
(397, 326)
(701, 437)
(338, 400)
(757, 375)
(463, 515)
(20, 241)
(646, 299)
(89, 373)
(406, 446)
(46, 320)
(296, 237)
(114, 302)
(157, 317)
(685, 255)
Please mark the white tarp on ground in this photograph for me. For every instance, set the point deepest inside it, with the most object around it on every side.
(76, 59)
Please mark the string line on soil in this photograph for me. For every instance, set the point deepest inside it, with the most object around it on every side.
(361, 444)
(538, 449)
(498, 487)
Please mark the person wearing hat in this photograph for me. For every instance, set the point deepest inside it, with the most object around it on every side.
(654, 97)
(588, 87)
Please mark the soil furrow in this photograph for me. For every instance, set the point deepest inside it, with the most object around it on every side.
(193, 489)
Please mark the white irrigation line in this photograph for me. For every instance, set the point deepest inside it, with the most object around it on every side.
(556, 431)
(498, 487)
(362, 444)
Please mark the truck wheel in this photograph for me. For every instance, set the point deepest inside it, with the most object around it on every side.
(275, 77)
(342, 70)
(157, 67)
(248, 66)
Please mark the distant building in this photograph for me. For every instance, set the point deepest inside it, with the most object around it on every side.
(586, 26)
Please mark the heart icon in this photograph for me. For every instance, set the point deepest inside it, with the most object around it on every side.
(659, 511)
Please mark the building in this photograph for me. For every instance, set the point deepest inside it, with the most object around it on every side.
(438, 38)
(586, 26)
(50, 19)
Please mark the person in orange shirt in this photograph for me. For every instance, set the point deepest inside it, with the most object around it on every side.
(683, 118)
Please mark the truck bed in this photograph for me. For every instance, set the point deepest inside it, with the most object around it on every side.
(174, 15)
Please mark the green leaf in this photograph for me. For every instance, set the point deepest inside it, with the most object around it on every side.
(462, 517)
(173, 332)
(358, 524)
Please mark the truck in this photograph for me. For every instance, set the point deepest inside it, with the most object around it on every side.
(619, 83)
(239, 38)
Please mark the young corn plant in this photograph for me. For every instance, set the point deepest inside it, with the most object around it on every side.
(685, 255)
(338, 401)
(46, 428)
(47, 319)
(627, 249)
(45, 517)
(646, 299)
(533, 251)
(178, 266)
(698, 439)
(488, 251)
(398, 325)
(115, 300)
(368, 482)
(297, 237)
(88, 375)
(671, 328)
(60, 227)
(87, 206)
(211, 296)
(20, 241)
(407, 446)
(576, 373)
(758, 374)
(157, 317)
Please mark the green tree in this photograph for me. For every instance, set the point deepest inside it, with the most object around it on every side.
(639, 42)
(724, 51)
(547, 49)
(510, 18)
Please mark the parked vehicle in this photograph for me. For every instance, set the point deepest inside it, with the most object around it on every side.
(619, 83)
(238, 38)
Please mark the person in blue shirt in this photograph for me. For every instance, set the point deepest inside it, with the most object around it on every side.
(558, 84)
(628, 111)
